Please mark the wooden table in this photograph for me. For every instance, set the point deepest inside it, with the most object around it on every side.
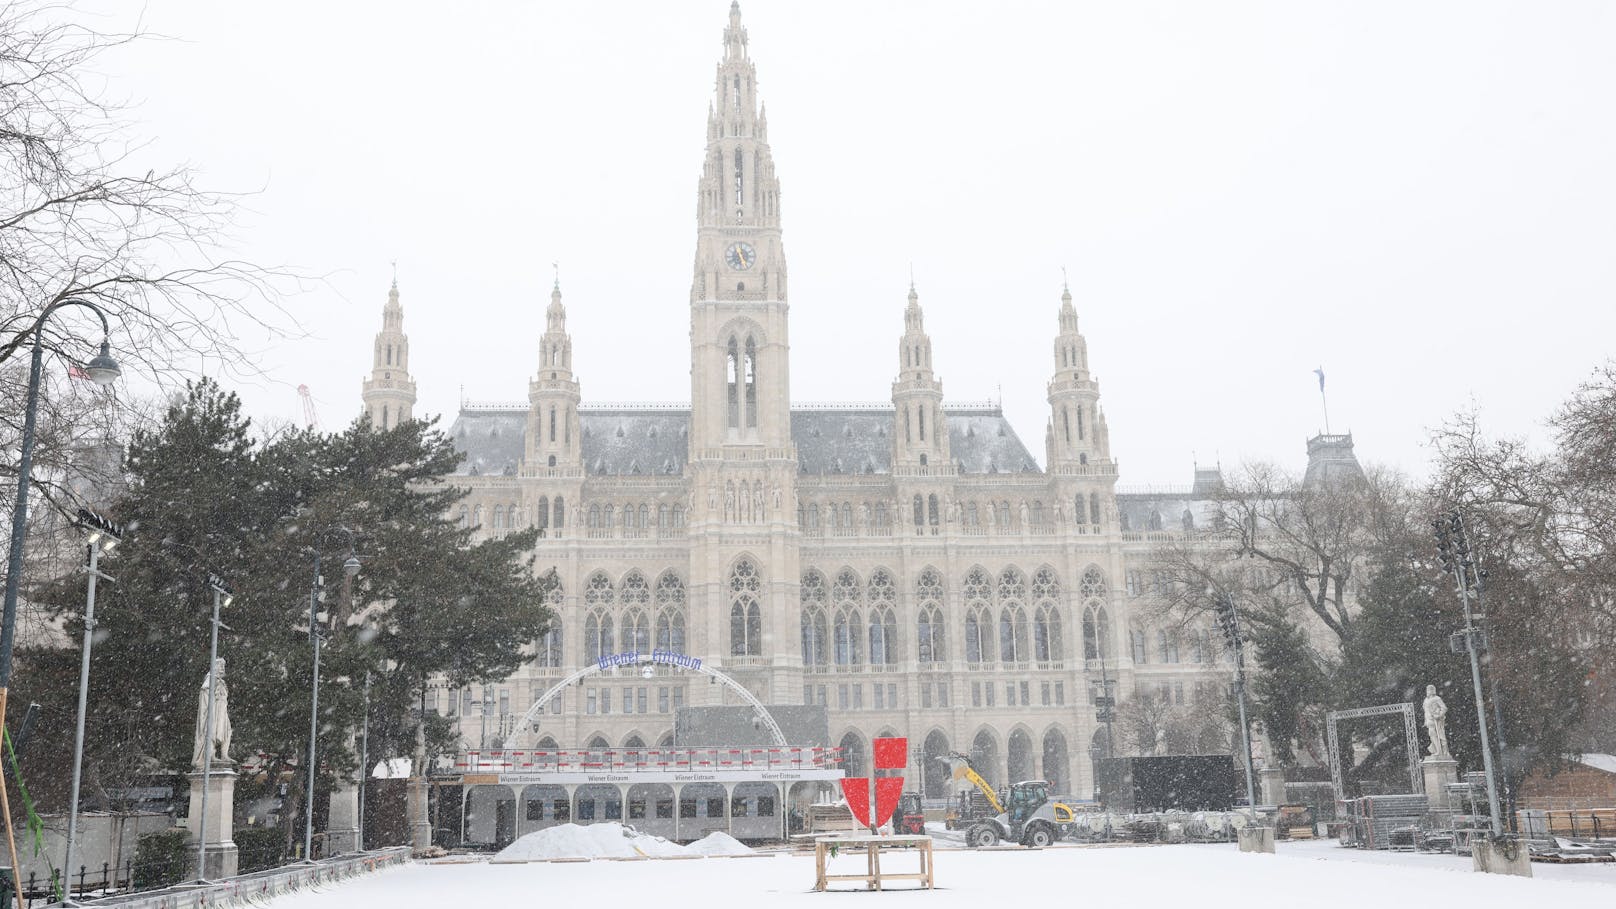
(872, 846)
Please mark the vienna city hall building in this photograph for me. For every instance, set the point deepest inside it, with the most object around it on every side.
(908, 565)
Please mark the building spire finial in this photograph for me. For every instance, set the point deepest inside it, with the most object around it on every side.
(557, 267)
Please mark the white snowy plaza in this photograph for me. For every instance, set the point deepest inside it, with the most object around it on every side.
(1318, 875)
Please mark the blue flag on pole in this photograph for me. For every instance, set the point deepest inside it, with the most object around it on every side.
(1320, 373)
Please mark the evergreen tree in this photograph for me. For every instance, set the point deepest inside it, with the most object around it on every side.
(203, 497)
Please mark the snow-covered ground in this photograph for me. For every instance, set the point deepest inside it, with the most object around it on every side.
(1316, 875)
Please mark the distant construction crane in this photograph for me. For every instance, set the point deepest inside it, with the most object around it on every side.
(311, 420)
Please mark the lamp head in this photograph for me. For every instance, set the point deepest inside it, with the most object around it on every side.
(351, 566)
(102, 369)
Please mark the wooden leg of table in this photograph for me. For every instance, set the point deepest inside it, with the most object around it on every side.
(819, 866)
(875, 864)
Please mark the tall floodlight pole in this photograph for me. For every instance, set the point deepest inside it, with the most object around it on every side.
(221, 597)
(364, 759)
(102, 370)
(103, 536)
(350, 567)
(1453, 547)
(1229, 620)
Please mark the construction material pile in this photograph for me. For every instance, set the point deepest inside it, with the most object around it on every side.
(610, 840)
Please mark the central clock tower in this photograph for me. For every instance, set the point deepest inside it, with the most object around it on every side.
(738, 379)
(743, 467)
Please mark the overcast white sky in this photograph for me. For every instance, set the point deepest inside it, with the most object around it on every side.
(1418, 196)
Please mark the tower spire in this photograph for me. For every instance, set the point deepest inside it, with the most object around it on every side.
(553, 394)
(389, 393)
(1078, 432)
(739, 354)
(919, 433)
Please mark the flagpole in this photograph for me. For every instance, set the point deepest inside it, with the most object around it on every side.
(1323, 401)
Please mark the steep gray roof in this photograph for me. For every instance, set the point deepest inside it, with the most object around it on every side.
(636, 441)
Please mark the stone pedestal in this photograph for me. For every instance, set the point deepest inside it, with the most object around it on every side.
(342, 825)
(415, 808)
(1506, 855)
(1439, 773)
(1271, 786)
(1256, 839)
(220, 857)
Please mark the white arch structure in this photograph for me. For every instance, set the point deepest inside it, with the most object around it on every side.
(524, 728)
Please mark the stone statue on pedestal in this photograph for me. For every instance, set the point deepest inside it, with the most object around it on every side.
(219, 741)
(1436, 716)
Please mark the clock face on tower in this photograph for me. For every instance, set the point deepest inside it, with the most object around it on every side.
(740, 256)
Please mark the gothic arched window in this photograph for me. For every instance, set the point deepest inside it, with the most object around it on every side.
(549, 647)
(597, 636)
(978, 635)
(883, 619)
(1013, 634)
(739, 161)
(560, 512)
(670, 605)
(929, 631)
(751, 385)
(542, 512)
(815, 626)
(636, 634)
(1047, 642)
(1094, 508)
(734, 391)
(745, 615)
(848, 625)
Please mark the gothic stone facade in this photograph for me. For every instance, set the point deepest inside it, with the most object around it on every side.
(909, 566)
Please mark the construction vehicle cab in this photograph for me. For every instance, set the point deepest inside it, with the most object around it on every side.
(1029, 818)
(910, 817)
(1024, 815)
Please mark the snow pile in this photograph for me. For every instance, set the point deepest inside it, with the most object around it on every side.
(609, 840)
(718, 843)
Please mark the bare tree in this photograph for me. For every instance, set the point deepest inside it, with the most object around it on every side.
(1544, 523)
(82, 218)
(1283, 549)
(1150, 723)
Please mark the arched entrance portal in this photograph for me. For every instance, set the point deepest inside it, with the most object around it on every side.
(528, 724)
(1020, 750)
(985, 757)
(855, 755)
(1057, 766)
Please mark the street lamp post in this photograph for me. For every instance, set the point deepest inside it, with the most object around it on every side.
(103, 536)
(1229, 621)
(221, 597)
(102, 370)
(350, 567)
(1454, 550)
